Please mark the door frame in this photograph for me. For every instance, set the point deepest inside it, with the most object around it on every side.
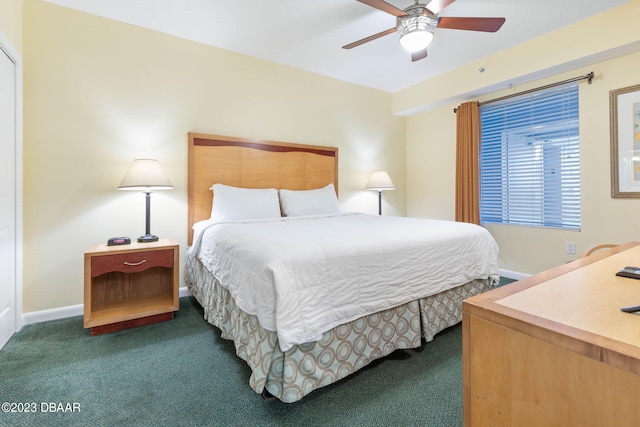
(7, 47)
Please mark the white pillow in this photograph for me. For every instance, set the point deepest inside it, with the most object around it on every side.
(244, 203)
(309, 202)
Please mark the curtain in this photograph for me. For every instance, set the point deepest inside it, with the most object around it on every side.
(467, 171)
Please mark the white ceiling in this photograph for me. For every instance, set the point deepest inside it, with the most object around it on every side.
(309, 34)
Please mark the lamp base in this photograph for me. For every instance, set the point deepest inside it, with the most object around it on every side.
(147, 238)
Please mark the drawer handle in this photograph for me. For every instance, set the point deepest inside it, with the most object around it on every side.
(133, 264)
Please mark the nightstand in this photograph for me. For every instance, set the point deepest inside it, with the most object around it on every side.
(130, 285)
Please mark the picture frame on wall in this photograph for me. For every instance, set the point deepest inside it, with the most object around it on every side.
(624, 107)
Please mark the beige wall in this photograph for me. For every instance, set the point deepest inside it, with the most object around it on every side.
(431, 137)
(99, 93)
(11, 22)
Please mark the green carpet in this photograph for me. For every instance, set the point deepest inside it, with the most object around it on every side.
(181, 373)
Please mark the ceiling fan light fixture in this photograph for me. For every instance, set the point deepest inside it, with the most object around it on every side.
(416, 40)
(416, 31)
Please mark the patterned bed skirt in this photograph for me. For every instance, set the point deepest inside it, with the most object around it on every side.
(292, 374)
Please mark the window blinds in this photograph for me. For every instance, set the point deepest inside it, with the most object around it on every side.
(530, 159)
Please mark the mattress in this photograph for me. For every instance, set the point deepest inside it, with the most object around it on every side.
(303, 276)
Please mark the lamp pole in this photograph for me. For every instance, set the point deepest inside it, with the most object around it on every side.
(148, 237)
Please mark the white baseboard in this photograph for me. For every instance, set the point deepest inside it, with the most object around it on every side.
(52, 314)
(513, 274)
(70, 311)
(78, 310)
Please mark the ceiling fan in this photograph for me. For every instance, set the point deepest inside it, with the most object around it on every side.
(416, 24)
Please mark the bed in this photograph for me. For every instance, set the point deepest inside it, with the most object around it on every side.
(307, 293)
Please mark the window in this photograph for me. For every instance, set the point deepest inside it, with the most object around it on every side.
(530, 159)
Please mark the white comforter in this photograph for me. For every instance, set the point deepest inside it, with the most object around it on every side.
(303, 276)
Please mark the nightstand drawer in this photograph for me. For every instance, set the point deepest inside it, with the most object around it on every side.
(131, 262)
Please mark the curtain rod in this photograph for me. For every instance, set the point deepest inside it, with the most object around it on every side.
(513, 95)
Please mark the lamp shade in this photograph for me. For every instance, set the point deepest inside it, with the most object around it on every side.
(380, 181)
(145, 175)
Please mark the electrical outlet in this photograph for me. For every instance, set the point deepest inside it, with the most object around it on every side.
(571, 248)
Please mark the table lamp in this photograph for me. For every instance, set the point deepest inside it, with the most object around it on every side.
(380, 181)
(146, 175)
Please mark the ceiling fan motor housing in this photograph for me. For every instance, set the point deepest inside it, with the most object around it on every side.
(416, 27)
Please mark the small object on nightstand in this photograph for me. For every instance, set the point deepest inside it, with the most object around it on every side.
(116, 241)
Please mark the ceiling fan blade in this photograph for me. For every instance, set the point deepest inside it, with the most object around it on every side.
(416, 56)
(368, 39)
(490, 25)
(384, 6)
(436, 6)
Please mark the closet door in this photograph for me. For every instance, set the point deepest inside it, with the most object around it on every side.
(7, 197)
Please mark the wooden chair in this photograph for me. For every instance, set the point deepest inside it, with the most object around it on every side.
(594, 248)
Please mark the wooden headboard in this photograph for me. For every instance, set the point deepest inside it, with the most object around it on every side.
(253, 164)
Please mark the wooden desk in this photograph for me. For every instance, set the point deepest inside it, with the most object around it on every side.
(555, 349)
